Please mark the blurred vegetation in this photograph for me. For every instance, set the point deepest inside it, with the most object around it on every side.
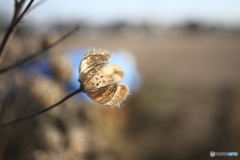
(188, 104)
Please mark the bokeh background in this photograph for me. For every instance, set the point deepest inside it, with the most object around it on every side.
(182, 61)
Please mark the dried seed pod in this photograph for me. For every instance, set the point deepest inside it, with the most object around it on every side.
(101, 82)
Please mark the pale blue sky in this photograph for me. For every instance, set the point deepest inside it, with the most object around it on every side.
(166, 12)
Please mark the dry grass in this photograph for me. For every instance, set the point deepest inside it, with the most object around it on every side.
(188, 104)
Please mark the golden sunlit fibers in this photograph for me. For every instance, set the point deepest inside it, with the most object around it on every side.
(101, 82)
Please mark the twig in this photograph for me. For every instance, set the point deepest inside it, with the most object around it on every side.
(37, 4)
(44, 110)
(37, 53)
(17, 9)
(16, 19)
(23, 13)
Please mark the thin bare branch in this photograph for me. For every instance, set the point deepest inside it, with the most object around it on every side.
(38, 53)
(37, 4)
(17, 9)
(44, 110)
(23, 13)
(16, 19)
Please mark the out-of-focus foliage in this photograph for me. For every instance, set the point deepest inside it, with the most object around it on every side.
(187, 106)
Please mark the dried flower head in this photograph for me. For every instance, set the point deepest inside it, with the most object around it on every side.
(101, 82)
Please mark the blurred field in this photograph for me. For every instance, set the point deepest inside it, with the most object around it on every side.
(188, 104)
